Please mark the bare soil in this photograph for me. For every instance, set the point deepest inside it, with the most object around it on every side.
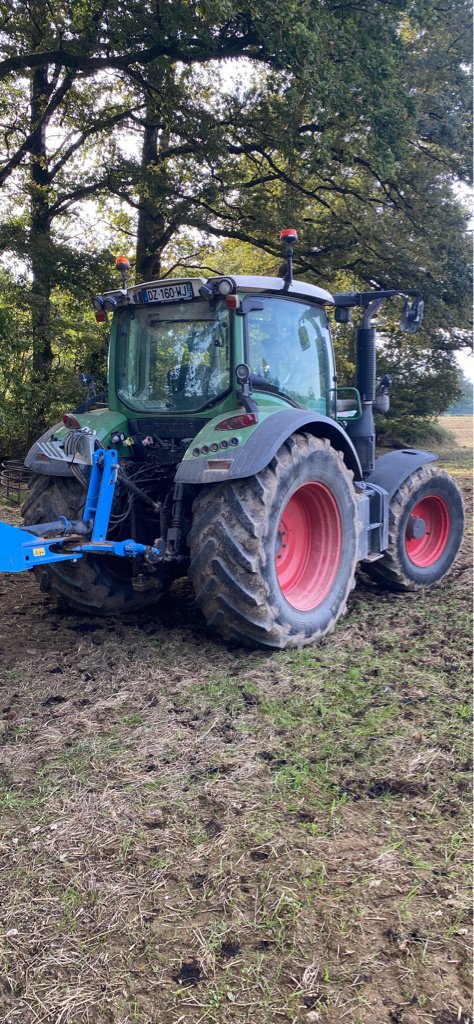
(196, 833)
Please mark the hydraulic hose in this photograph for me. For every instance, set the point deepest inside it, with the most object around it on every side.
(137, 491)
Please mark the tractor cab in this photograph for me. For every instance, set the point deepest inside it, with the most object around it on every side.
(175, 347)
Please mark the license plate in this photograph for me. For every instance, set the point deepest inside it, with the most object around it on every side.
(168, 293)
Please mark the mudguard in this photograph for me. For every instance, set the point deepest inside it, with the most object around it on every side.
(263, 443)
(46, 458)
(392, 469)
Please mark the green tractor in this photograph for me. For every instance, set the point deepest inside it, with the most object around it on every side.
(228, 453)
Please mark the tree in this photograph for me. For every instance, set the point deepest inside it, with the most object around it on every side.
(350, 124)
(78, 344)
(54, 69)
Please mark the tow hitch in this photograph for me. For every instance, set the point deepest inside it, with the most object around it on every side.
(67, 540)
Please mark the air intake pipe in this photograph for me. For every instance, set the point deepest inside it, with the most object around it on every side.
(362, 432)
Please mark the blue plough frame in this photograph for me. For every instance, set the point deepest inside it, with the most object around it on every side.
(22, 549)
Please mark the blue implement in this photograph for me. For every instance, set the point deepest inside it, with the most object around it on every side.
(101, 492)
(21, 549)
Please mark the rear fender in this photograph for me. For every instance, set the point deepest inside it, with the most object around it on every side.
(392, 469)
(45, 455)
(255, 453)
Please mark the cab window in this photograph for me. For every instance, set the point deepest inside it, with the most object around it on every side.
(290, 350)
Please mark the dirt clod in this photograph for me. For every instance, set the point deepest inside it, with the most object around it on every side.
(188, 974)
(229, 949)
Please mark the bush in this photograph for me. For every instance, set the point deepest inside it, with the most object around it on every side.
(411, 432)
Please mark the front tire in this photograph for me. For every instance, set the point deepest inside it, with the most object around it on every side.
(95, 584)
(426, 525)
(273, 556)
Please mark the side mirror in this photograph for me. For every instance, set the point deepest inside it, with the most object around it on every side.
(382, 396)
(88, 382)
(342, 315)
(412, 315)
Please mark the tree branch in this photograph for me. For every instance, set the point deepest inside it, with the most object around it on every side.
(51, 107)
(93, 130)
(195, 52)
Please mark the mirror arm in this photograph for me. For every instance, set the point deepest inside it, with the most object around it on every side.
(371, 311)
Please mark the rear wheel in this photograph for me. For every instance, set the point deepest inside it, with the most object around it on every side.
(273, 556)
(99, 585)
(425, 531)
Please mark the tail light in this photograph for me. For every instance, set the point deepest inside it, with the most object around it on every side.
(247, 419)
(71, 422)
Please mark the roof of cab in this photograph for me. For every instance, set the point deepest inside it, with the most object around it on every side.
(276, 284)
(244, 283)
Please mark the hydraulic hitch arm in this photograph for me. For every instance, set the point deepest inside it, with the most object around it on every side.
(68, 540)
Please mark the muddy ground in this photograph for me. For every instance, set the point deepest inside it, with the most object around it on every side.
(197, 833)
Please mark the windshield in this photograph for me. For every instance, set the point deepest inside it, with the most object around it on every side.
(172, 357)
(290, 349)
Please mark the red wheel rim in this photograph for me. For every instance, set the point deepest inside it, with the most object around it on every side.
(424, 551)
(309, 546)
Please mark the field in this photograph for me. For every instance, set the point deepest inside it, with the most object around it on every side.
(197, 833)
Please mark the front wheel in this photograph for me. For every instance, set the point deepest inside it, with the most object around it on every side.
(273, 556)
(426, 525)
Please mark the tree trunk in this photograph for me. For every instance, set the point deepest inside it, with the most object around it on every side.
(150, 227)
(40, 240)
(153, 230)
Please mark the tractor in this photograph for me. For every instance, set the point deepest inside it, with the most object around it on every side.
(226, 451)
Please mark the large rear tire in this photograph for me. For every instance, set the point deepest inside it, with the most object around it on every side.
(95, 585)
(426, 525)
(273, 556)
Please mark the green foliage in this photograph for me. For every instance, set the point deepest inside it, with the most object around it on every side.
(426, 379)
(77, 344)
(352, 126)
(411, 431)
(14, 366)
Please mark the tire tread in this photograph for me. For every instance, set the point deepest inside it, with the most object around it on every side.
(389, 570)
(228, 558)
